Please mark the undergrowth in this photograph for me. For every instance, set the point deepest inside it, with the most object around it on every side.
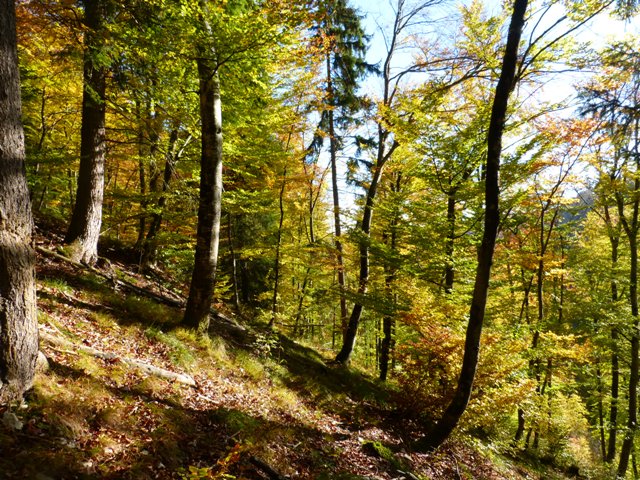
(263, 400)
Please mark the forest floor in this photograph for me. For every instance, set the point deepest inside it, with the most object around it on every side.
(263, 406)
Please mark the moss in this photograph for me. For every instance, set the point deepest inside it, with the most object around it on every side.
(379, 450)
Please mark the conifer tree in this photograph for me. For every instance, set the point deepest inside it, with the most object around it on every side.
(344, 43)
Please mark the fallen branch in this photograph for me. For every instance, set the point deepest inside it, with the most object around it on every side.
(271, 473)
(145, 367)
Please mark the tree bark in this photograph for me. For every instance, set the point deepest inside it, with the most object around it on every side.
(18, 324)
(627, 443)
(450, 418)
(449, 272)
(333, 152)
(210, 207)
(84, 229)
(388, 321)
(614, 240)
(150, 243)
(349, 339)
(276, 267)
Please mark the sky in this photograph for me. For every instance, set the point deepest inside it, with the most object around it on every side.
(378, 16)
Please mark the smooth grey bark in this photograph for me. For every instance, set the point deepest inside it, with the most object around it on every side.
(84, 229)
(210, 201)
(18, 324)
(437, 434)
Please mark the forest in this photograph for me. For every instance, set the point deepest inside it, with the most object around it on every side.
(323, 239)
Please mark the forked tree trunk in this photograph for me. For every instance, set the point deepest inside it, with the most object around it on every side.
(451, 416)
(18, 325)
(209, 207)
(84, 229)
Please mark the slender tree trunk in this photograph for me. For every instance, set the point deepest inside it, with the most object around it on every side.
(614, 239)
(234, 265)
(632, 419)
(18, 324)
(276, 270)
(84, 229)
(441, 431)
(142, 178)
(449, 271)
(388, 322)
(631, 227)
(349, 339)
(209, 208)
(333, 152)
(601, 425)
(150, 244)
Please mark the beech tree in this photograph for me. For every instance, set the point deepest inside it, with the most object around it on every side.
(443, 428)
(406, 17)
(18, 323)
(84, 229)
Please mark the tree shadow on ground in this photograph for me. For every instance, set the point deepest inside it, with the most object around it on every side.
(130, 432)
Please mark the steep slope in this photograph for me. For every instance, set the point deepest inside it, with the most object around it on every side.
(263, 406)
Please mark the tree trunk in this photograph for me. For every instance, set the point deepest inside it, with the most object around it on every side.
(84, 229)
(627, 444)
(234, 265)
(18, 324)
(388, 322)
(631, 226)
(449, 272)
(276, 269)
(441, 431)
(614, 239)
(150, 244)
(333, 151)
(349, 339)
(209, 208)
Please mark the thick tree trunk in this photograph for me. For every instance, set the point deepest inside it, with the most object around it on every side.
(18, 324)
(441, 431)
(84, 229)
(209, 208)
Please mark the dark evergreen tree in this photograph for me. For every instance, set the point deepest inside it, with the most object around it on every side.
(342, 36)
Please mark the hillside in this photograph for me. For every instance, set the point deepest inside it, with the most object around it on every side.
(262, 407)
